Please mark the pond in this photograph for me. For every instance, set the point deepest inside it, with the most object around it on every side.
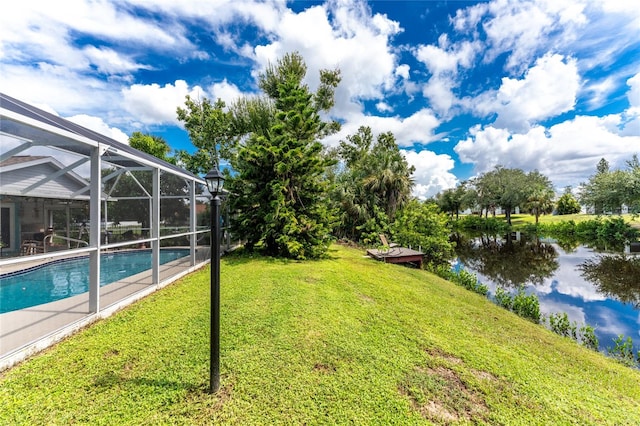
(595, 286)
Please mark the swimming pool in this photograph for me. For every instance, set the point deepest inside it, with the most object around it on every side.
(69, 277)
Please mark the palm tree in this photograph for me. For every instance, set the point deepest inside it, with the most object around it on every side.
(390, 177)
(540, 201)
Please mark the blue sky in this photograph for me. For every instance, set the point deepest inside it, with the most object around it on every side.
(550, 85)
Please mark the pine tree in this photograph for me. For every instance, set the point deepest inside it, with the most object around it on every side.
(279, 191)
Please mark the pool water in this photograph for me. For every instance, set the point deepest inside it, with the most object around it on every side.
(69, 277)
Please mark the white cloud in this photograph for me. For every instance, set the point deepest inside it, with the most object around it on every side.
(383, 107)
(634, 92)
(45, 29)
(439, 91)
(417, 129)
(403, 71)
(443, 62)
(355, 41)
(61, 88)
(466, 20)
(567, 152)
(614, 26)
(548, 89)
(226, 91)
(433, 172)
(109, 61)
(155, 104)
(523, 28)
(599, 91)
(98, 125)
(447, 58)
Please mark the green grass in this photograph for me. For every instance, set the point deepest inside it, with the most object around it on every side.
(521, 219)
(345, 340)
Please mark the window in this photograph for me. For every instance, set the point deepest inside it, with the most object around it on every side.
(6, 226)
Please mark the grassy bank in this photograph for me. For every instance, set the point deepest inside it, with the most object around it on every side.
(343, 340)
(523, 219)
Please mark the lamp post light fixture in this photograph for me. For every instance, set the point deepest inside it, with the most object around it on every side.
(215, 181)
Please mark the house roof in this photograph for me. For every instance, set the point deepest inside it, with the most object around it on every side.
(20, 159)
(40, 176)
(34, 126)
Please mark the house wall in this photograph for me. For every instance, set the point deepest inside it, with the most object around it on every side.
(16, 180)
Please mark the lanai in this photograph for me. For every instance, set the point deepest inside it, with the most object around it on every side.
(98, 172)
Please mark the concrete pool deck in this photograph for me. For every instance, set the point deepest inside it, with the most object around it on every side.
(30, 330)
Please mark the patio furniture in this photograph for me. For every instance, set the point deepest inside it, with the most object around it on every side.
(29, 247)
(385, 243)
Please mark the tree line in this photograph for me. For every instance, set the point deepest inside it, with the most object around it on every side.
(608, 190)
(605, 192)
(502, 188)
(291, 196)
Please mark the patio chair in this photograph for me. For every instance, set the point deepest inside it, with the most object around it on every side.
(34, 245)
(28, 247)
(385, 243)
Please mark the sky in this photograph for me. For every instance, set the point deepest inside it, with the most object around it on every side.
(547, 85)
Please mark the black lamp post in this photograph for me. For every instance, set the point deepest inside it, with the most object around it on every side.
(215, 180)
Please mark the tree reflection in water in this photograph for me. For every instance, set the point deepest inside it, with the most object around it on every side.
(511, 261)
(617, 276)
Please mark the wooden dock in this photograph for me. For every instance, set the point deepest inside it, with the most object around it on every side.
(397, 255)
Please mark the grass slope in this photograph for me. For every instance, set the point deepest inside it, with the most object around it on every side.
(522, 219)
(337, 341)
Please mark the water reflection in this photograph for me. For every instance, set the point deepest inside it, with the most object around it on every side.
(67, 283)
(617, 276)
(510, 261)
(595, 288)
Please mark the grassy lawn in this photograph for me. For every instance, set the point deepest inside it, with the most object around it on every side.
(521, 219)
(345, 340)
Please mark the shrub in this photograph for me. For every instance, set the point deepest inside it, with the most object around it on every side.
(503, 298)
(462, 278)
(588, 337)
(422, 225)
(567, 204)
(560, 324)
(491, 224)
(596, 232)
(470, 282)
(526, 306)
(623, 351)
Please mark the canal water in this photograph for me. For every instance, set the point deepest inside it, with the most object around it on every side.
(598, 286)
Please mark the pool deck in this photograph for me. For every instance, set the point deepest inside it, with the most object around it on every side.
(30, 330)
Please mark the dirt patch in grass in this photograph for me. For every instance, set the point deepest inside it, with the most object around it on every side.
(438, 353)
(367, 299)
(484, 375)
(324, 368)
(440, 395)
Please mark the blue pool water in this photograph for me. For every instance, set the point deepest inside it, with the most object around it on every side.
(69, 277)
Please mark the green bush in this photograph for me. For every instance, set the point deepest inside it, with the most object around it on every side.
(567, 204)
(612, 229)
(623, 351)
(503, 298)
(422, 226)
(560, 324)
(588, 337)
(490, 224)
(462, 278)
(526, 306)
